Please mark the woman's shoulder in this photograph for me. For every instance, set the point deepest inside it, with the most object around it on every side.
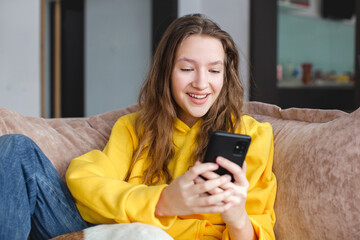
(127, 120)
(130, 117)
(249, 124)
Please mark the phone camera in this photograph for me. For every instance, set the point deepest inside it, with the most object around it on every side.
(239, 148)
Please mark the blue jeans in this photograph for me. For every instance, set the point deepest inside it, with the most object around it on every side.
(34, 201)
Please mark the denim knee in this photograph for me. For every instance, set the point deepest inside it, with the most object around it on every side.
(13, 147)
(15, 140)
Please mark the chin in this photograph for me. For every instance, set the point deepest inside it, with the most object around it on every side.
(197, 114)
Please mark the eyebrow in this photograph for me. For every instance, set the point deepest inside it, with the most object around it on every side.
(219, 62)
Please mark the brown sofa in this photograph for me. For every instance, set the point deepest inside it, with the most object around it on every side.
(316, 162)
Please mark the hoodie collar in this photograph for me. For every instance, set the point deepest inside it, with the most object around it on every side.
(183, 128)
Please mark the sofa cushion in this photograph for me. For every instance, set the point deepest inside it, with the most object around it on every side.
(63, 139)
(316, 161)
(317, 165)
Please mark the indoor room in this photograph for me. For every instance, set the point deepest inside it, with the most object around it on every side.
(185, 119)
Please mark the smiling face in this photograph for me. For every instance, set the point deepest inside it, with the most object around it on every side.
(197, 76)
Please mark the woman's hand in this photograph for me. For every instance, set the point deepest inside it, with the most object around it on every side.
(184, 196)
(239, 186)
(236, 216)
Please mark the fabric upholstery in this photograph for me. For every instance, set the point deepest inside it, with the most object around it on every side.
(317, 165)
(316, 161)
(63, 139)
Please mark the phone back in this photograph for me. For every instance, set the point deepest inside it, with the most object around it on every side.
(231, 146)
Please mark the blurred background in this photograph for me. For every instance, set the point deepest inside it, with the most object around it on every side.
(76, 58)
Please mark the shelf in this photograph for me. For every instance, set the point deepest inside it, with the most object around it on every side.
(264, 54)
(319, 98)
(330, 85)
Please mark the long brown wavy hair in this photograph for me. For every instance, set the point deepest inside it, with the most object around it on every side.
(158, 111)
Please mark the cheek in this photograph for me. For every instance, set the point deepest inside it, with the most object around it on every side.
(178, 82)
(218, 85)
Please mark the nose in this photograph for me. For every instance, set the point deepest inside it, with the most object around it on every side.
(200, 81)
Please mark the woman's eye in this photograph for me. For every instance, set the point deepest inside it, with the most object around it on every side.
(186, 69)
(214, 71)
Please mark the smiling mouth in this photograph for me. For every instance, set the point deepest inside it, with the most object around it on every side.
(202, 96)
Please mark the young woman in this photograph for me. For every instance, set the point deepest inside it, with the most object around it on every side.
(150, 170)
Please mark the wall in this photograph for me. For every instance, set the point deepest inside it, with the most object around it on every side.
(327, 44)
(20, 56)
(117, 52)
(117, 57)
(234, 17)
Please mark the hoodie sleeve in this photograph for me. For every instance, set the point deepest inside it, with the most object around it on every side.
(96, 181)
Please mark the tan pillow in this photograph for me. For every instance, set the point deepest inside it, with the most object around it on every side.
(317, 165)
(63, 139)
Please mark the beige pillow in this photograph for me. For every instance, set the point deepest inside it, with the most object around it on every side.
(317, 165)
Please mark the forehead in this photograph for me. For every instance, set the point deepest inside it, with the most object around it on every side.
(201, 47)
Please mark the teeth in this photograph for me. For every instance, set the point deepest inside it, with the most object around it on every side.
(198, 96)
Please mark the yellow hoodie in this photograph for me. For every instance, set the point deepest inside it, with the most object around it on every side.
(96, 181)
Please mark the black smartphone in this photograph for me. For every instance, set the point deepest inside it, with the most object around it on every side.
(228, 145)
